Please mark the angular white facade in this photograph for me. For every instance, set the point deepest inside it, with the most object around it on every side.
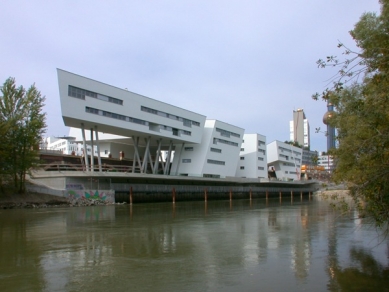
(151, 125)
(148, 132)
(252, 160)
(285, 160)
(216, 156)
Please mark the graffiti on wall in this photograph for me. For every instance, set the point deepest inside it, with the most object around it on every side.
(103, 195)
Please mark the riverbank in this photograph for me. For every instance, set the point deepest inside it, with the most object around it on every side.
(35, 200)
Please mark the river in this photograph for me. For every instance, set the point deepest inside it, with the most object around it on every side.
(243, 245)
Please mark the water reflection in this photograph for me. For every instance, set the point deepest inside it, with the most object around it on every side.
(249, 245)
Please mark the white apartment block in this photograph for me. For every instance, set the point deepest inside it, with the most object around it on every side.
(285, 160)
(118, 121)
(216, 156)
(326, 161)
(66, 145)
(252, 158)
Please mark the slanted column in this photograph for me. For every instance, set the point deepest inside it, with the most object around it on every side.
(136, 155)
(85, 147)
(98, 148)
(158, 154)
(146, 156)
(179, 159)
(167, 166)
(92, 162)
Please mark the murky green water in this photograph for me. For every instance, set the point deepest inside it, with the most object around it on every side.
(219, 246)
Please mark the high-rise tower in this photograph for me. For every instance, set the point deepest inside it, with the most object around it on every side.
(299, 128)
(330, 129)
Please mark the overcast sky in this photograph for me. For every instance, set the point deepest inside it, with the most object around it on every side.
(247, 63)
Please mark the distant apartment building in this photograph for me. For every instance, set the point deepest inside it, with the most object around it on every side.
(299, 128)
(326, 161)
(309, 157)
(252, 158)
(66, 145)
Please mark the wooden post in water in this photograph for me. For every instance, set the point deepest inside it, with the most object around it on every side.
(251, 195)
(267, 195)
(130, 195)
(174, 195)
(205, 195)
(291, 196)
(230, 195)
(301, 195)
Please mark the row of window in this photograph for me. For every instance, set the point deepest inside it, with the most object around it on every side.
(175, 132)
(186, 122)
(217, 140)
(218, 162)
(261, 143)
(259, 158)
(262, 151)
(226, 133)
(115, 116)
(211, 161)
(259, 168)
(216, 150)
(81, 93)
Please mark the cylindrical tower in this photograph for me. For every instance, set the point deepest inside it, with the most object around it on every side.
(330, 130)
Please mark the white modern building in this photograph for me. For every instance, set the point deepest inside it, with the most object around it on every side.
(299, 128)
(285, 160)
(216, 156)
(252, 160)
(118, 121)
(66, 145)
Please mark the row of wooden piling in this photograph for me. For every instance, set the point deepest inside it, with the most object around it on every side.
(230, 194)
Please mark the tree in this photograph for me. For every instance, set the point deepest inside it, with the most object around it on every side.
(294, 143)
(22, 125)
(360, 94)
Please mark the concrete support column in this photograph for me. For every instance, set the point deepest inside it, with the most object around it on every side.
(146, 156)
(85, 147)
(156, 162)
(98, 149)
(179, 159)
(167, 166)
(92, 162)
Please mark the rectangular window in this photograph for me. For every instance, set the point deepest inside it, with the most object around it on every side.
(217, 140)
(185, 122)
(81, 93)
(226, 133)
(241, 149)
(261, 168)
(114, 116)
(186, 160)
(188, 148)
(216, 150)
(241, 158)
(242, 167)
(260, 158)
(218, 162)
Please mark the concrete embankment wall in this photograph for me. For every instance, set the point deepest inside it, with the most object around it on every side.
(168, 193)
(135, 188)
